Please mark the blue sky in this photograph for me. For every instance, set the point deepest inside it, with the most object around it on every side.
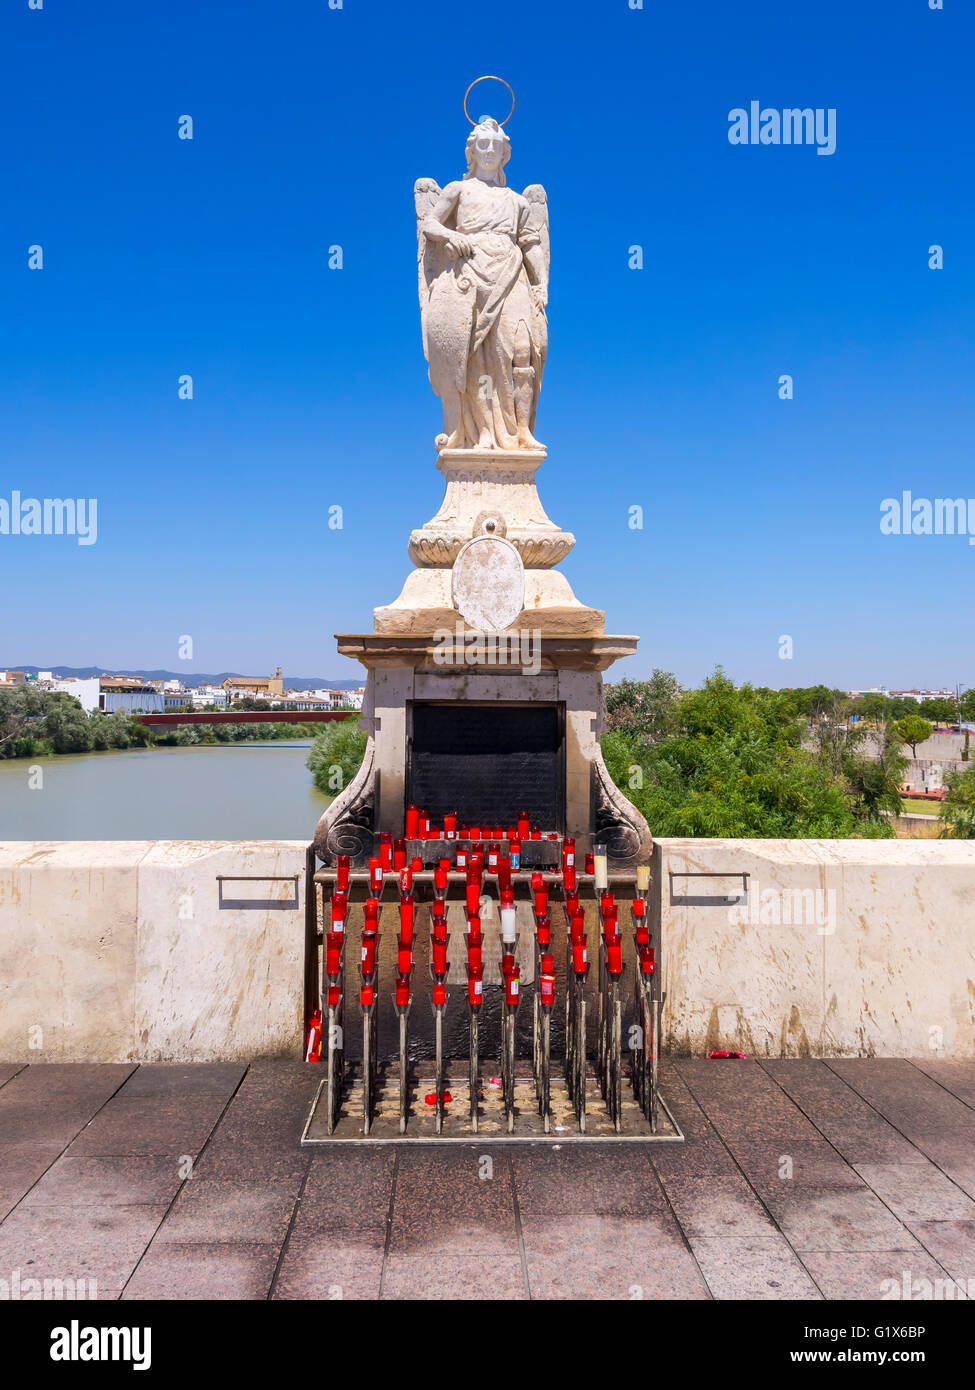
(164, 257)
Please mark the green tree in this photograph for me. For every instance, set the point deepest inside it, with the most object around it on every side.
(67, 726)
(912, 729)
(815, 700)
(731, 764)
(966, 706)
(335, 754)
(641, 707)
(939, 710)
(958, 808)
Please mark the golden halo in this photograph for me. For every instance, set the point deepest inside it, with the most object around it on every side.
(490, 78)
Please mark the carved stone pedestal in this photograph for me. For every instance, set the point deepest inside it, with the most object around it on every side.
(413, 681)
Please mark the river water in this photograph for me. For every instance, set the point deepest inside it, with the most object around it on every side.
(225, 791)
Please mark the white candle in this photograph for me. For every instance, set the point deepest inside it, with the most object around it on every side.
(507, 924)
(600, 867)
(643, 877)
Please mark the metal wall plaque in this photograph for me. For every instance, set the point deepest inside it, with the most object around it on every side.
(487, 762)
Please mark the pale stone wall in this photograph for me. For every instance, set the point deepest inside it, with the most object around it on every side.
(119, 951)
(876, 958)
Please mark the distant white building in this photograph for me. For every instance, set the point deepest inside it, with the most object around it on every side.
(207, 695)
(86, 690)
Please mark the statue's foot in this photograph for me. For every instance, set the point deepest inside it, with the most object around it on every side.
(526, 440)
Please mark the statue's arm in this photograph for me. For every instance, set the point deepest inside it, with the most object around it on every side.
(537, 263)
(434, 225)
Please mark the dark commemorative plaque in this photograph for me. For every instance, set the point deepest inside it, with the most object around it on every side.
(488, 762)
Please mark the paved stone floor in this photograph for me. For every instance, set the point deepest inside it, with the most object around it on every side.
(799, 1179)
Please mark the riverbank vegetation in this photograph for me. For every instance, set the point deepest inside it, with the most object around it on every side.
(37, 723)
(742, 762)
(336, 753)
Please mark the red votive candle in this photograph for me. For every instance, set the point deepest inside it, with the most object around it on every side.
(375, 873)
(439, 994)
(406, 881)
(639, 907)
(590, 864)
(577, 927)
(569, 878)
(449, 827)
(372, 911)
(406, 920)
(473, 899)
(514, 855)
(402, 993)
(412, 822)
(338, 916)
(416, 864)
(473, 929)
(524, 827)
(579, 956)
(568, 853)
(536, 835)
(462, 859)
(571, 904)
(439, 880)
(543, 930)
(614, 958)
(493, 856)
(504, 876)
(399, 855)
(475, 833)
(547, 963)
(475, 986)
(333, 954)
(439, 951)
(546, 990)
(334, 996)
(512, 988)
(423, 825)
(541, 901)
(342, 872)
(474, 961)
(498, 832)
(404, 959)
(642, 934)
(386, 851)
(476, 865)
(368, 955)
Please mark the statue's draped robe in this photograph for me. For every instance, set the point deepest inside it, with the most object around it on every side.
(497, 222)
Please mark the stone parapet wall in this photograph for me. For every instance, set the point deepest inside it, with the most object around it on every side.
(135, 951)
(117, 951)
(842, 948)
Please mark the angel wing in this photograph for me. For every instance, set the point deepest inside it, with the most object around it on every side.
(426, 194)
(537, 200)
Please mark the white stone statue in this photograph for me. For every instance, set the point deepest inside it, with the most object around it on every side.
(483, 277)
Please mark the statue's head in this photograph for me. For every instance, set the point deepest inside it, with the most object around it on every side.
(488, 150)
